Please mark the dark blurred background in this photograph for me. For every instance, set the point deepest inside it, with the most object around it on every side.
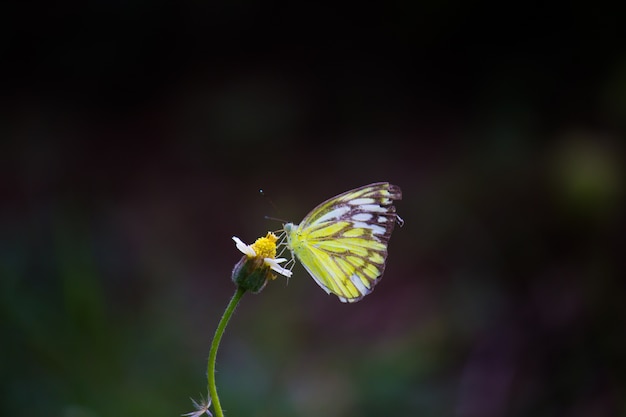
(135, 138)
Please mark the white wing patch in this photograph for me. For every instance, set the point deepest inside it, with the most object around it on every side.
(362, 217)
(335, 213)
(376, 229)
(361, 201)
(374, 208)
(359, 284)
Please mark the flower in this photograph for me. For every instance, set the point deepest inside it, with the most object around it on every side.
(265, 248)
(201, 408)
(254, 270)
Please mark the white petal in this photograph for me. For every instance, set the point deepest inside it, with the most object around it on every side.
(280, 260)
(245, 249)
(273, 263)
(202, 407)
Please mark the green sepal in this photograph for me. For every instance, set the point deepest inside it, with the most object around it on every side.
(251, 274)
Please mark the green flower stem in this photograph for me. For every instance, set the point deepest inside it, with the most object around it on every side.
(215, 345)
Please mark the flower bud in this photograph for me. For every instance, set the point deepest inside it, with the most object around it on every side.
(251, 274)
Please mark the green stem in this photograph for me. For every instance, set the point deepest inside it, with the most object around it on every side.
(215, 345)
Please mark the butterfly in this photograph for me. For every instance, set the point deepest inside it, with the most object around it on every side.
(343, 241)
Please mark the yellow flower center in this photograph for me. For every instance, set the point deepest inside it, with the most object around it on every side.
(265, 247)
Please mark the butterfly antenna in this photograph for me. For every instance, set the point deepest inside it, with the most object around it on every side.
(269, 200)
(274, 206)
(276, 219)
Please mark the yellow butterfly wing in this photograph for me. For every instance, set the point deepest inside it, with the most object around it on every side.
(342, 242)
